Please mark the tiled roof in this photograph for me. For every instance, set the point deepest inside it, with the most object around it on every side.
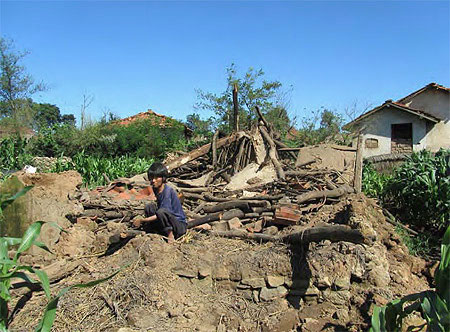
(155, 118)
(397, 105)
(425, 88)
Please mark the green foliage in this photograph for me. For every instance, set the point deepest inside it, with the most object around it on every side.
(16, 86)
(11, 269)
(323, 126)
(198, 126)
(253, 91)
(433, 305)
(421, 245)
(374, 183)
(48, 115)
(13, 153)
(93, 169)
(419, 190)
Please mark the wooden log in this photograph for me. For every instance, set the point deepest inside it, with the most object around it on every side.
(265, 197)
(308, 173)
(306, 163)
(236, 204)
(333, 233)
(273, 153)
(284, 147)
(214, 148)
(343, 190)
(227, 215)
(239, 155)
(262, 118)
(201, 151)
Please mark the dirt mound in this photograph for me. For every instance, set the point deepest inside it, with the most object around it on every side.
(209, 283)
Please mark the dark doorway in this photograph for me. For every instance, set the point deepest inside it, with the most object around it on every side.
(401, 138)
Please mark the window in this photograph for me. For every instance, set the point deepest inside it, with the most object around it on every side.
(371, 143)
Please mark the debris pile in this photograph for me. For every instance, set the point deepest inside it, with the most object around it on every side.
(317, 256)
(248, 180)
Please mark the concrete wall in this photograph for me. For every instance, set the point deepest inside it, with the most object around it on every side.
(378, 126)
(437, 103)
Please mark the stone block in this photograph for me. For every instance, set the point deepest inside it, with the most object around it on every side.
(275, 281)
(234, 223)
(268, 294)
(254, 282)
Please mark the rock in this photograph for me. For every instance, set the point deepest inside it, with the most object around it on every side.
(87, 223)
(221, 273)
(234, 223)
(271, 230)
(336, 297)
(268, 294)
(286, 322)
(342, 315)
(255, 294)
(204, 271)
(205, 227)
(254, 282)
(342, 283)
(323, 282)
(220, 226)
(275, 281)
(185, 272)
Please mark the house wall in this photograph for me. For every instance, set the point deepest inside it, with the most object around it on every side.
(437, 103)
(378, 126)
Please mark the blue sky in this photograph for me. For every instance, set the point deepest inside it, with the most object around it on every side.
(136, 55)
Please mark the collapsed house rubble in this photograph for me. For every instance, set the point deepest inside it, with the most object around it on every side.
(317, 255)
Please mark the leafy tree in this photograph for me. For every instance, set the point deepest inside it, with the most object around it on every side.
(16, 85)
(323, 126)
(198, 126)
(253, 91)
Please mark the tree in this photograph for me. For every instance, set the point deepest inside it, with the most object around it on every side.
(198, 126)
(16, 85)
(323, 126)
(253, 91)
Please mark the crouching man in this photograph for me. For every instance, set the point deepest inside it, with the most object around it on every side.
(168, 216)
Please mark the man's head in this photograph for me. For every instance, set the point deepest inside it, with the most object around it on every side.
(157, 174)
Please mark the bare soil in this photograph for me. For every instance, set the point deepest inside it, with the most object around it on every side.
(208, 283)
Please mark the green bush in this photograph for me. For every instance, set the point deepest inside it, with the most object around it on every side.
(419, 190)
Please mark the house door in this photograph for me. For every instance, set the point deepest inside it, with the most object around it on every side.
(401, 138)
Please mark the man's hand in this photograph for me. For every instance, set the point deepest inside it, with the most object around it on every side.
(137, 223)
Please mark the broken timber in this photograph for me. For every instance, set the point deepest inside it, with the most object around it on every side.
(333, 233)
(201, 151)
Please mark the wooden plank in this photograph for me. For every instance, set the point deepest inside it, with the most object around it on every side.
(357, 184)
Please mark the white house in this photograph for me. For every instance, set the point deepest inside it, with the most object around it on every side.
(418, 121)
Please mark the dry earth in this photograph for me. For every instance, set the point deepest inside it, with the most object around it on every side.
(208, 283)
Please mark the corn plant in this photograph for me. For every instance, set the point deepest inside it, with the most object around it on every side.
(11, 270)
(93, 169)
(419, 190)
(374, 183)
(434, 306)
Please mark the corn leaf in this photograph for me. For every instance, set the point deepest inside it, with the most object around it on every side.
(442, 274)
(10, 200)
(28, 238)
